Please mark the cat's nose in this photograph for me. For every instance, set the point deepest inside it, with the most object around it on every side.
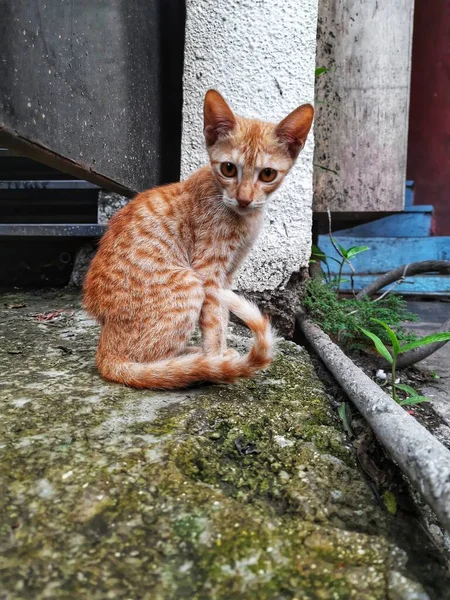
(244, 201)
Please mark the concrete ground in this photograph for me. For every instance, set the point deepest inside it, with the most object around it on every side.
(432, 314)
(243, 491)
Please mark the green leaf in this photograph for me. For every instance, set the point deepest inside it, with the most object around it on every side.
(406, 388)
(414, 400)
(320, 70)
(378, 345)
(346, 418)
(352, 252)
(342, 249)
(317, 252)
(390, 502)
(336, 245)
(392, 336)
(429, 339)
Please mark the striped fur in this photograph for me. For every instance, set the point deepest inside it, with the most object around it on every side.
(182, 371)
(167, 260)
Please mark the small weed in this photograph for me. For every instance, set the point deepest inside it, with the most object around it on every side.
(320, 70)
(343, 318)
(346, 319)
(396, 349)
(345, 257)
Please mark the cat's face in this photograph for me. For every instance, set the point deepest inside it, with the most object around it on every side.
(250, 158)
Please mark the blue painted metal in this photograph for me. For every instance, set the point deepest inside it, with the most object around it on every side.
(408, 223)
(436, 285)
(395, 240)
(420, 208)
(409, 194)
(388, 253)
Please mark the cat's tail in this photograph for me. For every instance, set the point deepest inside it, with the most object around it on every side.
(185, 370)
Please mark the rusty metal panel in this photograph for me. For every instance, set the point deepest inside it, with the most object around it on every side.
(362, 104)
(80, 87)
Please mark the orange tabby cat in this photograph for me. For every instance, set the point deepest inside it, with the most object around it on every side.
(168, 258)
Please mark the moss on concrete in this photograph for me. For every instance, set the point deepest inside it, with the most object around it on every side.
(244, 491)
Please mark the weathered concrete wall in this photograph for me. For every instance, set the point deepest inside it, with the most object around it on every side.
(80, 82)
(261, 56)
(362, 104)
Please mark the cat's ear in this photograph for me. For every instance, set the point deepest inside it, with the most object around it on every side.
(293, 129)
(218, 118)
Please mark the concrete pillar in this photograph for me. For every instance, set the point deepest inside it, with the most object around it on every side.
(260, 54)
(362, 105)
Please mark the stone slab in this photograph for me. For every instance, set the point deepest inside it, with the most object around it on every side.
(217, 492)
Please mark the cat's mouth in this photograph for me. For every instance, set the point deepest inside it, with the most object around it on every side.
(238, 208)
(244, 210)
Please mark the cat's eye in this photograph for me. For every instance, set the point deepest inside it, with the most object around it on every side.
(267, 175)
(228, 169)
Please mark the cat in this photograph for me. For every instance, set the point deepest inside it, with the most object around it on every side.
(167, 260)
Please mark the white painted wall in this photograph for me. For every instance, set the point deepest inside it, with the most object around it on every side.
(260, 54)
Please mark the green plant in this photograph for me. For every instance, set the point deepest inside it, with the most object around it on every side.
(318, 256)
(397, 349)
(342, 318)
(320, 70)
(345, 254)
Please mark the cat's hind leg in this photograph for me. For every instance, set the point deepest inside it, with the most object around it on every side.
(175, 312)
(159, 322)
